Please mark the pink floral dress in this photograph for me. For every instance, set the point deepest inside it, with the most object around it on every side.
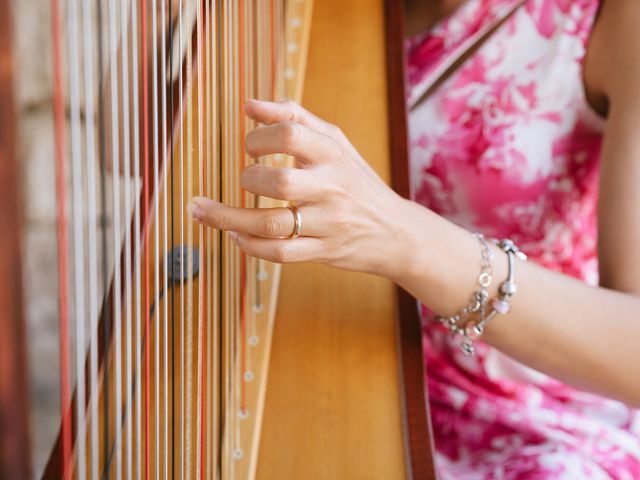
(508, 145)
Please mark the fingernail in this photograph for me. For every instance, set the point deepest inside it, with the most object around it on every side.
(250, 107)
(197, 212)
(198, 205)
(248, 102)
(233, 236)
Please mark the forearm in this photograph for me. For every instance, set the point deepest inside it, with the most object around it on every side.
(583, 335)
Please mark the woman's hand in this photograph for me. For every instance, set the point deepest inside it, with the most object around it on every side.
(350, 218)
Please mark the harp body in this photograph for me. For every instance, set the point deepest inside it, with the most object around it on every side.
(358, 405)
(214, 380)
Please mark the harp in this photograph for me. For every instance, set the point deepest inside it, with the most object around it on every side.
(166, 329)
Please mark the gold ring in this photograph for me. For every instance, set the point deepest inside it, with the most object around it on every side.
(297, 219)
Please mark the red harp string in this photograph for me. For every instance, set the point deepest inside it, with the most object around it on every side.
(145, 221)
(59, 114)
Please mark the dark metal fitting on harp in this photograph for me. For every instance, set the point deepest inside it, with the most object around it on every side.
(178, 261)
(103, 221)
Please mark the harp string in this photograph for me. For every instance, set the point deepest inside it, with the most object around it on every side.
(206, 327)
(253, 93)
(115, 148)
(273, 18)
(199, 309)
(253, 200)
(87, 35)
(156, 241)
(233, 361)
(166, 90)
(78, 236)
(227, 306)
(182, 256)
(172, 263)
(241, 165)
(232, 365)
(145, 222)
(137, 244)
(207, 433)
(232, 254)
(238, 264)
(216, 107)
(106, 310)
(227, 253)
(189, 314)
(124, 17)
(63, 295)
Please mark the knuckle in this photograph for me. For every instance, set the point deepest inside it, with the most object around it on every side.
(341, 221)
(292, 134)
(250, 144)
(279, 255)
(329, 253)
(336, 131)
(335, 150)
(283, 254)
(270, 226)
(283, 182)
(220, 220)
(292, 109)
(342, 153)
(247, 175)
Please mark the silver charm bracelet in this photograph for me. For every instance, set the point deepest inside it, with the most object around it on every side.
(470, 330)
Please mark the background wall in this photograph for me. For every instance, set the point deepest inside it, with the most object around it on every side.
(34, 92)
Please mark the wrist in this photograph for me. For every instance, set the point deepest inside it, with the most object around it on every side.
(438, 261)
(414, 228)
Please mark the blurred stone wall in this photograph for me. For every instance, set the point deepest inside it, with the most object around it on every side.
(34, 92)
(33, 80)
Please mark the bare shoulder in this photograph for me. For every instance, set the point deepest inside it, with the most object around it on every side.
(612, 63)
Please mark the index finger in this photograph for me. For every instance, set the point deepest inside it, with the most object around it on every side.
(269, 113)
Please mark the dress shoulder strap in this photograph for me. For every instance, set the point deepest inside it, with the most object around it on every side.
(435, 55)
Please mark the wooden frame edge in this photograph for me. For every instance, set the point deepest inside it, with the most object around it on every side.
(417, 422)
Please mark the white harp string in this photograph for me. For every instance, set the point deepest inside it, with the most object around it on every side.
(117, 317)
(78, 224)
(137, 254)
(165, 89)
(200, 87)
(181, 205)
(124, 17)
(156, 238)
(87, 40)
(189, 314)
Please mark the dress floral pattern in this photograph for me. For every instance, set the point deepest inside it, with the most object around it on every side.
(508, 145)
